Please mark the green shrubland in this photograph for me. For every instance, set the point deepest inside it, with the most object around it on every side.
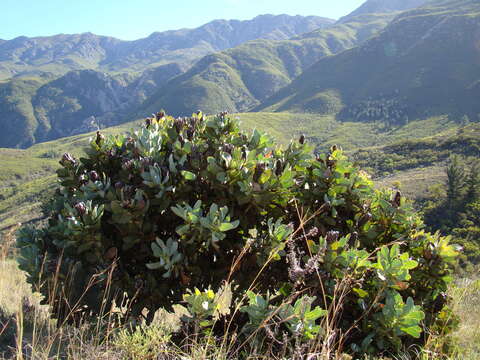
(419, 153)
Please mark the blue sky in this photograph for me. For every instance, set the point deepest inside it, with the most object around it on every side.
(133, 19)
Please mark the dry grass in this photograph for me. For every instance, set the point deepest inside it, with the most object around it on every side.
(414, 183)
(466, 305)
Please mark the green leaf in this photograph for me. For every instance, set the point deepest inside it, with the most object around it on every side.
(221, 176)
(226, 227)
(361, 293)
(410, 264)
(414, 331)
(316, 313)
(182, 229)
(188, 175)
(367, 341)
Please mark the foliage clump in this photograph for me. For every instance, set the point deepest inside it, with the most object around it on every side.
(304, 242)
(454, 207)
(392, 111)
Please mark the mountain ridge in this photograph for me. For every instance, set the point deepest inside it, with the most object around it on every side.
(382, 6)
(62, 65)
(240, 78)
(65, 52)
(422, 64)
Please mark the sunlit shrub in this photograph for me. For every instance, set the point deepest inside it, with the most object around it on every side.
(190, 203)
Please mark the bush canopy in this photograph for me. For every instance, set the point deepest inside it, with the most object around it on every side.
(196, 203)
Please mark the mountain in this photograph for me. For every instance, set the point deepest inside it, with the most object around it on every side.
(382, 6)
(424, 63)
(62, 53)
(68, 84)
(17, 117)
(36, 110)
(417, 153)
(54, 54)
(74, 99)
(240, 78)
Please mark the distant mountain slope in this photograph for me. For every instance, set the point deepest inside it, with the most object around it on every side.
(417, 164)
(382, 6)
(238, 79)
(101, 79)
(79, 96)
(36, 110)
(56, 54)
(17, 118)
(414, 153)
(214, 36)
(353, 32)
(62, 53)
(426, 62)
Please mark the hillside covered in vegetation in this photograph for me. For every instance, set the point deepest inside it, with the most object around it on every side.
(103, 79)
(424, 63)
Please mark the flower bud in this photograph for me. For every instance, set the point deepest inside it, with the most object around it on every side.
(259, 169)
(364, 219)
(312, 232)
(83, 179)
(228, 148)
(397, 200)
(67, 159)
(94, 176)
(354, 237)
(81, 208)
(99, 138)
(127, 165)
(278, 167)
(244, 153)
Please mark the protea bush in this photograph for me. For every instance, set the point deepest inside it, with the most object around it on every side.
(186, 205)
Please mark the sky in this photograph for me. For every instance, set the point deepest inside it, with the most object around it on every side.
(134, 19)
